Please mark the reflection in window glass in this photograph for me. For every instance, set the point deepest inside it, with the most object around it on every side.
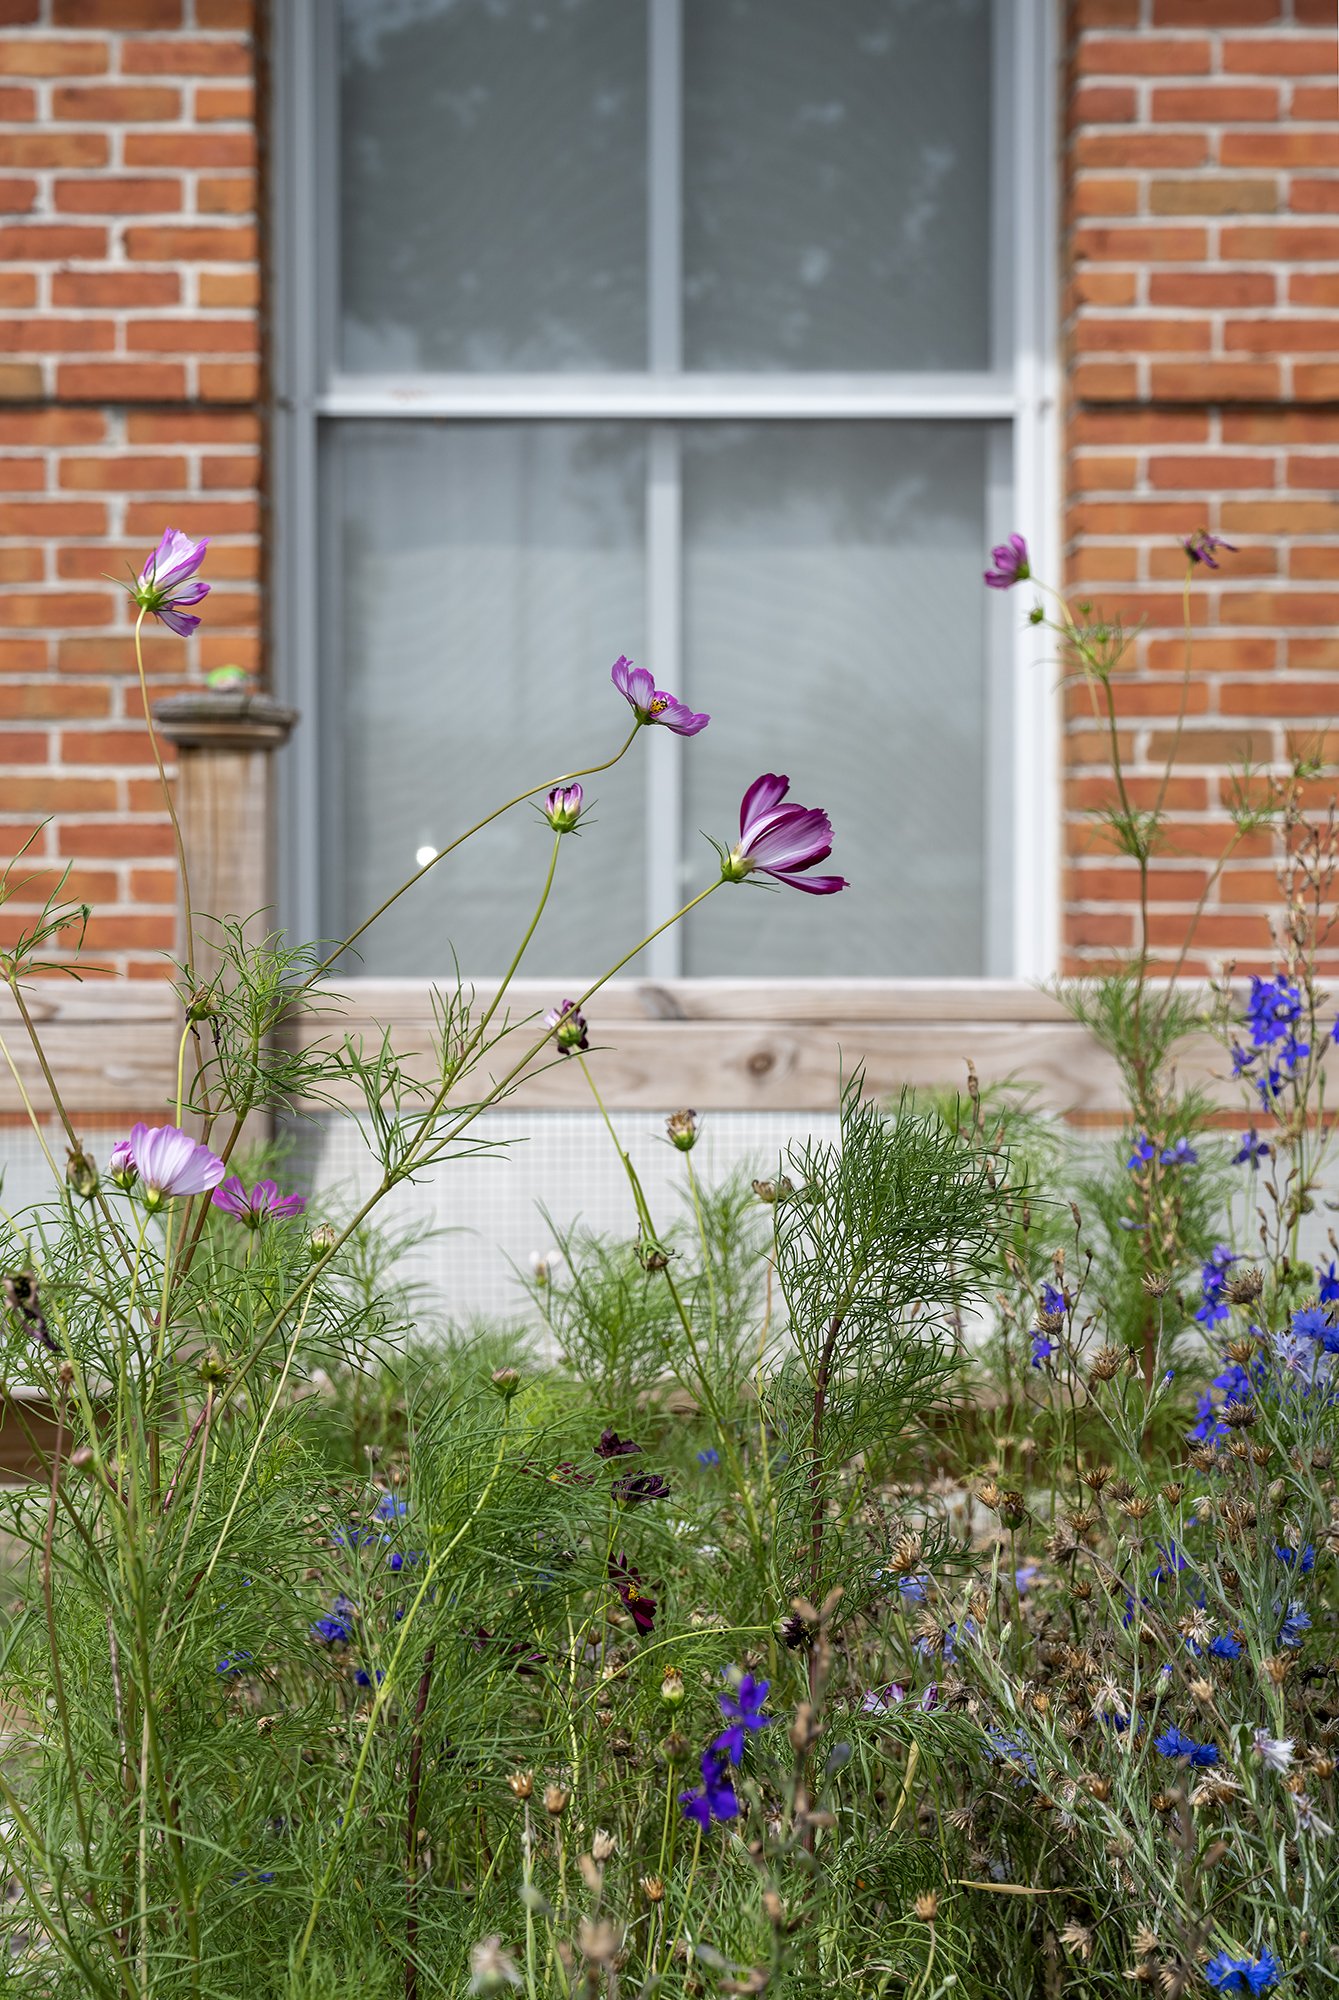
(488, 575)
(493, 184)
(836, 184)
(833, 625)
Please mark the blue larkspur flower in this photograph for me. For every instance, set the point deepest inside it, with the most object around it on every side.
(335, 1627)
(1173, 1742)
(743, 1714)
(1042, 1347)
(233, 1664)
(1252, 1150)
(1225, 1647)
(1294, 1626)
(1327, 1276)
(391, 1508)
(1144, 1152)
(1182, 1154)
(1314, 1323)
(709, 1457)
(913, 1588)
(1053, 1299)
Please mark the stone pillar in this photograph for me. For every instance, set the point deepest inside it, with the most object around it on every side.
(225, 739)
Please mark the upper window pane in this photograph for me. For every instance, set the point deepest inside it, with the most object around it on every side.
(836, 184)
(493, 185)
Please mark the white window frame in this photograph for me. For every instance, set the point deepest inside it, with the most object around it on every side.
(1017, 395)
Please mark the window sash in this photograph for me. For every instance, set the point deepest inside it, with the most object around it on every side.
(1017, 394)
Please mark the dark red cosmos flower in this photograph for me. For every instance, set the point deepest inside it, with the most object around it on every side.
(640, 1486)
(522, 1658)
(632, 1593)
(611, 1445)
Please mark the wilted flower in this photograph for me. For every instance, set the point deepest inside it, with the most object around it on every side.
(568, 1024)
(1202, 547)
(81, 1174)
(1011, 565)
(1274, 1752)
(169, 1162)
(780, 840)
(263, 1204)
(682, 1129)
(168, 580)
(650, 703)
(562, 807)
(491, 1969)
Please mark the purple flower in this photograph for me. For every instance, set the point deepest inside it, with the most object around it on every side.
(1290, 1558)
(263, 1204)
(1043, 1347)
(878, 1701)
(1295, 1624)
(780, 840)
(121, 1165)
(232, 1665)
(640, 1486)
(569, 1027)
(390, 1507)
(611, 1445)
(632, 1593)
(1252, 1150)
(1011, 564)
(743, 1714)
(562, 807)
(650, 703)
(1328, 1277)
(168, 580)
(1143, 1152)
(1053, 1299)
(716, 1799)
(1025, 1577)
(169, 1162)
(1226, 1647)
(1213, 1279)
(1202, 547)
(1182, 1154)
(1313, 1323)
(1173, 1742)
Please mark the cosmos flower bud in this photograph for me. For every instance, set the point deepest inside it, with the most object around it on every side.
(682, 1129)
(506, 1381)
(672, 1690)
(562, 807)
(81, 1174)
(121, 1165)
(321, 1241)
(568, 1024)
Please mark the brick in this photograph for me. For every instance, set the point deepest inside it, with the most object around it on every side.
(1098, 194)
(1130, 427)
(114, 103)
(1143, 517)
(233, 103)
(229, 381)
(1226, 13)
(1316, 382)
(65, 607)
(116, 194)
(1281, 147)
(1215, 382)
(1280, 698)
(119, 471)
(1282, 517)
(228, 288)
(119, 747)
(1169, 564)
(23, 656)
(115, 288)
(52, 701)
(1132, 335)
(1313, 197)
(1105, 381)
(136, 15)
(1141, 148)
(48, 243)
(116, 381)
(16, 195)
(17, 13)
(1143, 55)
(28, 55)
(1298, 426)
(216, 517)
(18, 289)
(1207, 289)
(192, 150)
(22, 565)
(1281, 242)
(1214, 194)
(20, 381)
(231, 650)
(1249, 885)
(192, 336)
(1312, 101)
(191, 427)
(22, 475)
(104, 841)
(1107, 927)
(53, 149)
(1292, 55)
(153, 885)
(1216, 104)
(1281, 336)
(18, 104)
(215, 243)
(1098, 884)
(239, 14)
(231, 194)
(1312, 471)
(58, 336)
(182, 55)
(52, 426)
(1276, 607)
(1214, 930)
(1314, 562)
(123, 933)
(1167, 245)
(1313, 655)
(47, 794)
(162, 654)
(234, 469)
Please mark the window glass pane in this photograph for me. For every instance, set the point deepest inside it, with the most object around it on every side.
(487, 576)
(836, 184)
(834, 626)
(493, 198)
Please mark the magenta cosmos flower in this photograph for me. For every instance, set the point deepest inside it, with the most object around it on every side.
(121, 1165)
(649, 703)
(568, 1026)
(781, 840)
(168, 1161)
(168, 581)
(1011, 564)
(562, 807)
(263, 1204)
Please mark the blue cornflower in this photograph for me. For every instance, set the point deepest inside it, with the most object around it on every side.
(1252, 1150)
(1313, 1323)
(1213, 1278)
(353, 1537)
(399, 1559)
(743, 1714)
(1053, 1299)
(913, 1588)
(1171, 1564)
(1226, 1647)
(391, 1508)
(1025, 1577)
(232, 1664)
(1042, 1347)
(1182, 1154)
(1328, 1277)
(335, 1628)
(1144, 1151)
(1014, 1749)
(1296, 1623)
(1207, 1426)
(709, 1457)
(1242, 1975)
(1173, 1742)
(1304, 1564)
(364, 1679)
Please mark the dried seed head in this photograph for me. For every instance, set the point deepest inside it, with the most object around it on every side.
(555, 1800)
(602, 1847)
(1095, 1477)
(1156, 1285)
(682, 1129)
(1106, 1364)
(1078, 1939)
(522, 1783)
(1277, 1667)
(600, 1941)
(652, 1888)
(1012, 1508)
(1242, 1290)
(1173, 1492)
(926, 1906)
(1138, 1507)
(1238, 1416)
(905, 1555)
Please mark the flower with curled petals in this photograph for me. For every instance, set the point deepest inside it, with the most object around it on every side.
(781, 840)
(650, 703)
(168, 581)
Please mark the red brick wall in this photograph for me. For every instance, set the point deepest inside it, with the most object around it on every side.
(129, 383)
(1201, 342)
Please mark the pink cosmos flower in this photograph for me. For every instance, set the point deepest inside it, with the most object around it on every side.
(569, 1027)
(263, 1204)
(1011, 564)
(649, 703)
(562, 807)
(121, 1165)
(781, 840)
(168, 581)
(170, 1162)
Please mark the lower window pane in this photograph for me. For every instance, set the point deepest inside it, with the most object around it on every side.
(481, 579)
(834, 624)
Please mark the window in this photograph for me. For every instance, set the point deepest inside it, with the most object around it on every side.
(708, 331)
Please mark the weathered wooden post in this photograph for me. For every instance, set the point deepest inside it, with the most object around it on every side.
(225, 739)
